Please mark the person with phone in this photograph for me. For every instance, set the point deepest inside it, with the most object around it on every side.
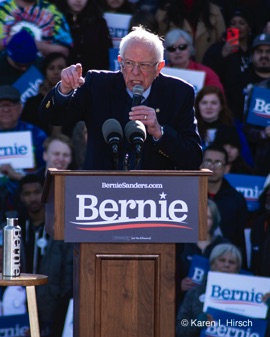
(231, 57)
(233, 39)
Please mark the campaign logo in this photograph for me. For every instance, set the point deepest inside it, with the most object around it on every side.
(130, 213)
(250, 186)
(235, 296)
(16, 149)
(259, 110)
(131, 208)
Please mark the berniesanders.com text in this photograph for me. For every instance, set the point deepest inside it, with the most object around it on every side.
(130, 185)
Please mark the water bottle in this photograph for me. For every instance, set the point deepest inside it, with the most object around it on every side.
(11, 248)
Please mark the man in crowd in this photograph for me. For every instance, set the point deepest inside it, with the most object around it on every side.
(259, 136)
(10, 110)
(43, 255)
(231, 203)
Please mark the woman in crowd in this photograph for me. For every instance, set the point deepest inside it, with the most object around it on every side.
(231, 62)
(202, 248)
(201, 18)
(212, 113)
(224, 258)
(180, 53)
(89, 30)
(52, 66)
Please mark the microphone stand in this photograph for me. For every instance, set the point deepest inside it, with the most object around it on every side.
(126, 163)
(138, 156)
(115, 156)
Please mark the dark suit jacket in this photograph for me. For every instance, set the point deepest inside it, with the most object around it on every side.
(104, 96)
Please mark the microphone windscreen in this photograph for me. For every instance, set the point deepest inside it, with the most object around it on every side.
(138, 89)
(135, 129)
(111, 127)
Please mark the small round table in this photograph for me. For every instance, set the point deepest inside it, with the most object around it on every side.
(29, 281)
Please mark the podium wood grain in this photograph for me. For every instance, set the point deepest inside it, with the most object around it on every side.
(125, 290)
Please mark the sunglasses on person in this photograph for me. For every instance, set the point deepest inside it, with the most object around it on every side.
(173, 49)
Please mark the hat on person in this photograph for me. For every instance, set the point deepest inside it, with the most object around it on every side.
(244, 13)
(228, 135)
(22, 48)
(8, 92)
(262, 39)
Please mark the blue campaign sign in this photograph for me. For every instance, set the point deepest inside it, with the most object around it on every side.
(114, 64)
(28, 83)
(198, 268)
(230, 324)
(259, 109)
(14, 325)
(250, 186)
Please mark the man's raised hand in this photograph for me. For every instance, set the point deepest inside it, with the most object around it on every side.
(71, 78)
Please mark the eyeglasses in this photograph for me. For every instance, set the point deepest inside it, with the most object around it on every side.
(173, 49)
(8, 105)
(215, 164)
(143, 66)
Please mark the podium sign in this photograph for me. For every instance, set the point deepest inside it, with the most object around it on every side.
(131, 209)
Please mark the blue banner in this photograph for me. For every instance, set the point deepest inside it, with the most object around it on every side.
(250, 186)
(229, 324)
(113, 54)
(259, 108)
(14, 326)
(28, 83)
(198, 268)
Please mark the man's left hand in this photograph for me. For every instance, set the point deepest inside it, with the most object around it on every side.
(148, 117)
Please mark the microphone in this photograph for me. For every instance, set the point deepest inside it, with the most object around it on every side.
(137, 94)
(113, 134)
(136, 134)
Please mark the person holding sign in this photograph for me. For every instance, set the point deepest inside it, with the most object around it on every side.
(180, 53)
(256, 124)
(225, 258)
(165, 120)
(190, 273)
(21, 145)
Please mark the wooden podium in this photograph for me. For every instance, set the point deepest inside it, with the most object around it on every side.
(121, 289)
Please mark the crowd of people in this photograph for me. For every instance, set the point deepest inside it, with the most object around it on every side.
(68, 42)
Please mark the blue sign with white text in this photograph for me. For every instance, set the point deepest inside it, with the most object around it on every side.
(250, 186)
(198, 268)
(14, 325)
(225, 323)
(28, 83)
(259, 109)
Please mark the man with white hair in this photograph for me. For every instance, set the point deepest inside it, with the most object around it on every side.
(166, 113)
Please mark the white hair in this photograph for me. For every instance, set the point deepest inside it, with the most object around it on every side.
(173, 35)
(139, 34)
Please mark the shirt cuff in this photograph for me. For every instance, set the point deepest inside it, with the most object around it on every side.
(60, 93)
